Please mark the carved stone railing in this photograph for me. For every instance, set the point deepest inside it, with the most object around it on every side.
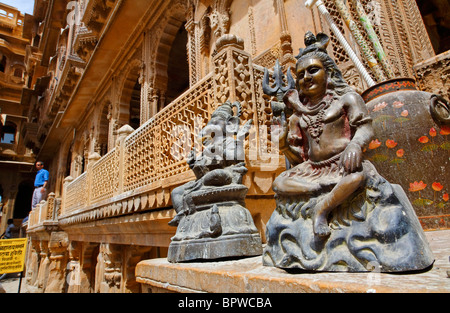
(77, 195)
(45, 213)
(147, 163)
(104, 180)
(153, 153)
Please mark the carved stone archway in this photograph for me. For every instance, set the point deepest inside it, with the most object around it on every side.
(102, 141)
(129, 99)
(166, 52)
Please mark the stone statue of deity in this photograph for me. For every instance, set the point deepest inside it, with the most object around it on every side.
(212, 220)
(334, 211)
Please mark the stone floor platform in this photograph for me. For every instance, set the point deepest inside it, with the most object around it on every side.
(250, 276)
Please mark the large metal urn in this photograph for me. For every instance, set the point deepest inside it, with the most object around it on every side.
(411, 146)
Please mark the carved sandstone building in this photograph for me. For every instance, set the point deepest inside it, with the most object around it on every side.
(16, 156)
(119, 87)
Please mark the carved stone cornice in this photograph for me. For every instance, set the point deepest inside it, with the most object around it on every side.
(70, 75)
(84, 43)
(96, 14)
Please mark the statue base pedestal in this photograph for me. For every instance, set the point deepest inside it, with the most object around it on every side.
(231, 246)
(376, 228)
(218, 230)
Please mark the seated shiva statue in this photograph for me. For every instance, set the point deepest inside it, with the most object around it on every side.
(334, 211)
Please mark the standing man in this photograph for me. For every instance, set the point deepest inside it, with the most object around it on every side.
(40, 184)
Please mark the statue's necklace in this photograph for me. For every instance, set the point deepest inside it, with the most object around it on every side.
(315, 124)
(314, 121)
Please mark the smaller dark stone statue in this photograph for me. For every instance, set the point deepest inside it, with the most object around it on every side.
(334, 211)
(211, 216)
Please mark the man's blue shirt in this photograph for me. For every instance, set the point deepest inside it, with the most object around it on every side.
(41, 177)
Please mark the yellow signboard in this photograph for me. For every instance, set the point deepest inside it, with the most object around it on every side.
(12, 255)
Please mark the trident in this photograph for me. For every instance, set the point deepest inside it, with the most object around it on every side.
(278, 89)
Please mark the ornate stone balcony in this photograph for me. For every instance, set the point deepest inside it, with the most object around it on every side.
(85, 42)
(11, 18)
(93, 20)
(72, 69)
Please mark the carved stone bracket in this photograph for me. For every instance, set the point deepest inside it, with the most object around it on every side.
(96, 14)
(85, 42)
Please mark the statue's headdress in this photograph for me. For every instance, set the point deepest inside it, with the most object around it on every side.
(225, 110)
(314, 43)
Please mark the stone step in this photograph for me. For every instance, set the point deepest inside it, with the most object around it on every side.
(250, 276)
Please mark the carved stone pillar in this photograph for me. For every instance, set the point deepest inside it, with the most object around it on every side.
(33, 263)
(123, 132)
(162, 100)
(67, 182)
(285, 37)
(112, 132)
(73, 277)
(192, 51)
(93, 158)
(51, 203)
(133, 255)
(58, 245)
(144, 109)
(108, 272)
(233, 78)
(87, 271)
(42, 276)
(153, 107)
